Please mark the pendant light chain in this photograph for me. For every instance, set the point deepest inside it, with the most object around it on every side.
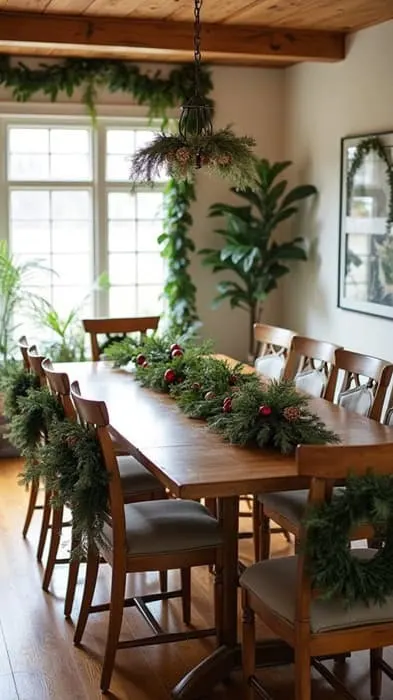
(197, 44)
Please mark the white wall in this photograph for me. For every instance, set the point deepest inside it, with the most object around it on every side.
(252, 101)
(325, 102)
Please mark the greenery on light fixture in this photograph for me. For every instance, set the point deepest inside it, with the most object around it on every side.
(250, 251)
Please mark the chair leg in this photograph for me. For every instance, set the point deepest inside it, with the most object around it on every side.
(302, 665)
(256, 527)
(57, 523)
(186, 594)
(163, 581)
(211, 505)
(376, 673)
(264, 535)
(248, 647)
(33, 495)
(44, 524)
(115, 620)
(88, 593)
(73, 571)
(218, 602)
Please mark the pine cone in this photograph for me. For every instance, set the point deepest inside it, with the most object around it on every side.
(291, 413)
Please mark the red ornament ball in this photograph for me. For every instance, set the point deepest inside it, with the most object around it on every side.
(210, 395)
(175, 346)
(177, 352)
(227, 405)
(140, 359)
(170, 376)
(264, 410)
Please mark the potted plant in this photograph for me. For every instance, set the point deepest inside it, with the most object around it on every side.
(250, 249)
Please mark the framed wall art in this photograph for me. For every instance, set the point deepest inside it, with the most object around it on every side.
(366, 225)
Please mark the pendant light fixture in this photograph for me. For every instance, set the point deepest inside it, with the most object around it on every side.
(196, 145)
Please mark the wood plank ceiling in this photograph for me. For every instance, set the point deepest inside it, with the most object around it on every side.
(254, 32)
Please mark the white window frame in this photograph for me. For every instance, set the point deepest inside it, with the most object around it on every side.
(64, 117)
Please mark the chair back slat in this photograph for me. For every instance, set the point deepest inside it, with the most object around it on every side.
(35, 363)
(23, 345)
(59, 385)
(337, 461)
(360, 371)
(105, 326)
(309, 357)
(272, 346)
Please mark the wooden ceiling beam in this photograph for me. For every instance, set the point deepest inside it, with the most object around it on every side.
(162, 37)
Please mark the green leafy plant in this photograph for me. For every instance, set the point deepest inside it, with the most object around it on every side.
(14, 279)
(250, 250)
(179, 289)
(70, 343)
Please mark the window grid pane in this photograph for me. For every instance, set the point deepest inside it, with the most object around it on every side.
(55, 224)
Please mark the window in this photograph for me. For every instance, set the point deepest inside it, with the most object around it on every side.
(70, 207)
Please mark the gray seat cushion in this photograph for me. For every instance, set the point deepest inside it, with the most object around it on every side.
(274, 582)
(159, 527)
(290, 504)
(135, 478)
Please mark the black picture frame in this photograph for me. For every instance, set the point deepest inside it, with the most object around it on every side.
(365, 260)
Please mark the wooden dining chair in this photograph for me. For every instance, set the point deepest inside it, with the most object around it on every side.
(279, 592)
(309, 364)
(35, 359)
(115, 328)
(24, 345)
(146, 536)
(371, 378)
(272, 345)
(137, 483)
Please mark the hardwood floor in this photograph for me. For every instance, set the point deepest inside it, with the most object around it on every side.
(37, 657)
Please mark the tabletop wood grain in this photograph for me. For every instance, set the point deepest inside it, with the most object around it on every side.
(185, 455)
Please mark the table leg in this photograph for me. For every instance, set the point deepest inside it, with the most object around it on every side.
(218, 665)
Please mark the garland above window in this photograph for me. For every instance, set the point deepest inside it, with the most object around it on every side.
(159, 93)
(363, 149)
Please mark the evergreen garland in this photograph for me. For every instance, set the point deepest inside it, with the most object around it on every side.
(15, 383)
(272, 415)
(36, 411)
(366, 146)
(72, 465)
(335, 570)
(179, 289)
(237, 405)
(158, 93)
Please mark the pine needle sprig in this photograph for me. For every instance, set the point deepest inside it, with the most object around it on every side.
(37, 410)
(335, 570)
(73, 468)
(15, 383)
(275, 415)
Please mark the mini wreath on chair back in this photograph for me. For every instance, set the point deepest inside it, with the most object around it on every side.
(336, 571)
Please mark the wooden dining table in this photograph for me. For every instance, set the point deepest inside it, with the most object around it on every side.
(193, 462)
